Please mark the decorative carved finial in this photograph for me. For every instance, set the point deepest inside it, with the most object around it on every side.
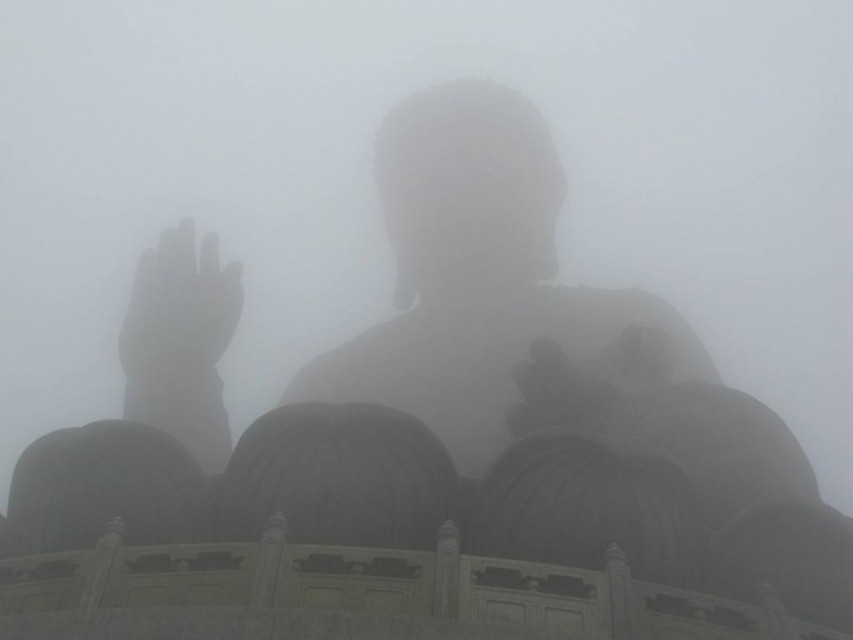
(277, 521)
(448, 530)
(614, 552)
(446, 571)
(105, 550)
(116, 526)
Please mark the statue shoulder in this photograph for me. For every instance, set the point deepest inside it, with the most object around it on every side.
(632, 299)
(334, 375)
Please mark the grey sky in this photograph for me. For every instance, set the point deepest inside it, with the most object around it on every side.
(709, 147)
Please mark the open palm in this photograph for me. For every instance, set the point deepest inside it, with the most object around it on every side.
(182, 315)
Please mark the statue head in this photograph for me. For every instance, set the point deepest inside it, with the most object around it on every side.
(471, 186)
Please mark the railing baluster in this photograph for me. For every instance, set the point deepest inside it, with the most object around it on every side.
(446, 593)
(269, 556)
(622, 609)
(99, 573)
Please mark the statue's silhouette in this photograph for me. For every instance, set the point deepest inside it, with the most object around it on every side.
(471, 186)
(618, 431)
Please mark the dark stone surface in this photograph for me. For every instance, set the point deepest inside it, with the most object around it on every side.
(231, 623)
(558, 497)
(353, 474)
(805, 550)
(68, 484)
(737, 451)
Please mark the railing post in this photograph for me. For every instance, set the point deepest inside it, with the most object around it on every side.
(446, 592)
(270, 549)
(774, 611)
(105, 551)
(622, 611)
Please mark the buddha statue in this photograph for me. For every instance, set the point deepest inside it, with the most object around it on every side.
(471, 186)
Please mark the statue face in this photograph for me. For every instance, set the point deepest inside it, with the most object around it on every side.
(470, 197)
(469, 218)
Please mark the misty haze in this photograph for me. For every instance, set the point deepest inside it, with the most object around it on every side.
(707, 148)
(585, 225)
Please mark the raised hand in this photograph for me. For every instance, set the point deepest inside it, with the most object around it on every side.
(181, 317)
(180, 322)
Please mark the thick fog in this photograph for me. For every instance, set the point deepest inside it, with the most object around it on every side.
(708, 145)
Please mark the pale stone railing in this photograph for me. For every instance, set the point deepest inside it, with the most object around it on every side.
(576, 603)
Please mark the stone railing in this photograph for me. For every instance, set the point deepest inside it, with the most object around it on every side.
(576, 603)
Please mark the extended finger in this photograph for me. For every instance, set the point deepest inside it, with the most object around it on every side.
(168, 282)
(143, 281)
(185, 249)
(209, 259)
(233, 288)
